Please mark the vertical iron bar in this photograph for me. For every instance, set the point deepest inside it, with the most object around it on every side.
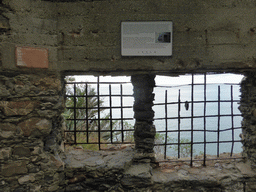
(218, 136)
(179, 125)
(87, 113)
(110, 114)
(192, 120)
(75, 113)
(204, 120)
(122, 113)
(232, 120)
(166, 125)
(98, 97)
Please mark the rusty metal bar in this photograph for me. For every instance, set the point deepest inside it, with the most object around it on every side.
(204, 120)
(200, 130)
(87, 115)
(232, 120)
(110, 114)
(209, 101)
(192, 120)
(198, 117)
(197, 143)
(98, 98)
(166, 125)
(121, 104)
(75, 115)
(218, 133)
(230, 158)
(179, 124)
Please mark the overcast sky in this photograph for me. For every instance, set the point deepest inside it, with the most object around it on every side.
(165, 80)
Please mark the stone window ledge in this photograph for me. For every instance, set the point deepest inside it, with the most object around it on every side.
(86, 167)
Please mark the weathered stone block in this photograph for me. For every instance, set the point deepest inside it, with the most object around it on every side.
(146, 81)
(14, 168)
(36, 127)
(37, 150)
(4, 23)
(26, 179)
(145, 130)
(142, 106)
(75, 187)
(146, 144)
(47, 113)
(35, 188)
(8, 130)
(56, 161)
(137, 176)
(5, 153)
(47, 83)
(4, 92)
(13, 108)
(21, 151)
(144, 115)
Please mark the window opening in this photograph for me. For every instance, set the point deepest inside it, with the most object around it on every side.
(99, 112)
(197, 117)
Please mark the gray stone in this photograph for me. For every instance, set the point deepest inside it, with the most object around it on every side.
(14, 108)
(4, 92)
(44, 126)
(6, 134)
(144, 130)
(182, 172)
(140, 170)
(35, 188)
(245, 169)
(21, 151)
(54, 187)
(5, 153)
(14, 168)
(36, 127)
(47, 113)
(26, 179)
(75, 187)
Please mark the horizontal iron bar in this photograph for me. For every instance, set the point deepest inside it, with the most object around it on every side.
(187, 130)
(96, 143)
(96, 131)
(117, 107)
(209, 101)
(97, 82)
(99, 95)
(208, 142)
(189, 117)
(181, 160)
(102, 119)
(165, 86)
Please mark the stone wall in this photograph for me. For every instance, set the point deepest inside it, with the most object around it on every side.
(120, 171)
(31, 132)
(248, 110)
(84, 37)
(208, 35)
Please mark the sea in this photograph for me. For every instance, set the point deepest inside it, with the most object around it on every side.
(217, 87)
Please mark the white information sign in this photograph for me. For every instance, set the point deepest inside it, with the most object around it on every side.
(147, 38)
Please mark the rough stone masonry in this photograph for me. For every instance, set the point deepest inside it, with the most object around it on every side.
(83, 37)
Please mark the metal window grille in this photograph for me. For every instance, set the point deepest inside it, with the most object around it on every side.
(169, 123)
(95, 115)
(216, 127)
